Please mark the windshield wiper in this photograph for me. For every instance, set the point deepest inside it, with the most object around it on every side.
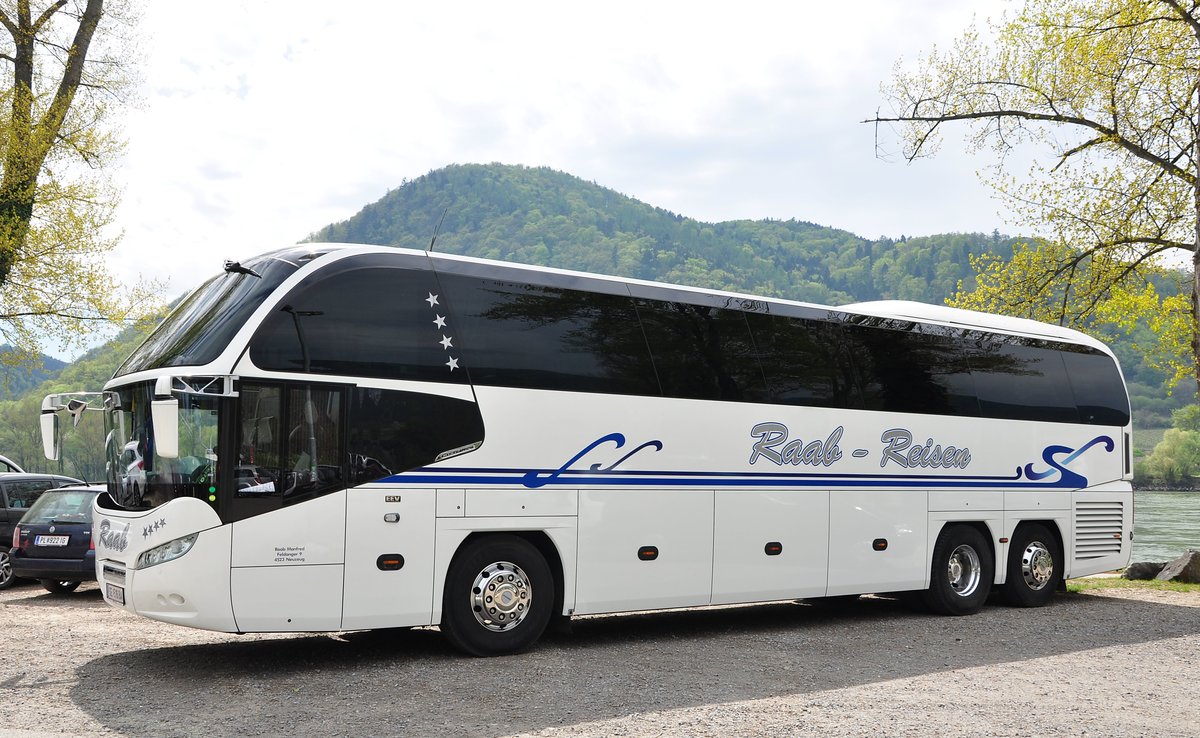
(233, 266)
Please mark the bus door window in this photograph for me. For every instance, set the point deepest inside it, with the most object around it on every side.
(314, 461)
(259, 459)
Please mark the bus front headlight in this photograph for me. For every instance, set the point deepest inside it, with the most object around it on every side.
(168, 551)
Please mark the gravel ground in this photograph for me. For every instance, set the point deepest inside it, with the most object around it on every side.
(1118, 663)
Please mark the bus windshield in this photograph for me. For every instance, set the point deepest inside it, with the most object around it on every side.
(202, 326)
(138, 478)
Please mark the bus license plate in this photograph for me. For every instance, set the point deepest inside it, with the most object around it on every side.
(114, 593)
(51, 540)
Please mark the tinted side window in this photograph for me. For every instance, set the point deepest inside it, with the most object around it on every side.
(391, 432)
(22, 494)
(362, 320)
(905, 371)
(803, 361)
(700, 352)
(1096, 383)
(1023, 383)
(523, 335)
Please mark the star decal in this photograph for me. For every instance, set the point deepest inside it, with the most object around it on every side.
(432, 300)
(440, 322)
(453, 363)
(447, 342)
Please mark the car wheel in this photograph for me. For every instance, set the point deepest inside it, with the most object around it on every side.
(499, 596)
(962, 572)
(1034, 567)
(58, 587)
(6, 572)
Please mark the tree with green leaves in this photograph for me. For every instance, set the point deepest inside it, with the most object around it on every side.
(65, 64)
(1107, 94)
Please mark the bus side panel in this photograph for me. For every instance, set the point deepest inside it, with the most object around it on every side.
(385, 522)
(287, 567)
(746, 569)
(857, 519)
(312, 532)
(614, 525)
(286, 599)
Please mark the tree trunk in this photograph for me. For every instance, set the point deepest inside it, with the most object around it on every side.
(1196, 250)
(30, 140)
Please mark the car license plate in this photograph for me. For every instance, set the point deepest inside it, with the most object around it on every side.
(51, 540)
(114, 593)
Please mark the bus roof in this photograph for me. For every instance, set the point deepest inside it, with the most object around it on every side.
(899, 309)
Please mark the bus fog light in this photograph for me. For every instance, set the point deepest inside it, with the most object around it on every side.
(168, 551)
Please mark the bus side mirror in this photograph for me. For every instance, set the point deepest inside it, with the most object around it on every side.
(164, 413)
(165, 416)
(50, 435)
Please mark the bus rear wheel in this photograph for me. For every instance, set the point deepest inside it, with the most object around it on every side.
(1034, 567)
(962, 572)
(498, 597)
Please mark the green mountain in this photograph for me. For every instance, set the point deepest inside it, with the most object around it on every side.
(17, 377)
(541, 216)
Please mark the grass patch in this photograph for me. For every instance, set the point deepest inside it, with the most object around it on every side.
(1093, 583)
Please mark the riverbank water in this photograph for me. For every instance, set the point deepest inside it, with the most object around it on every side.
(1166, 524)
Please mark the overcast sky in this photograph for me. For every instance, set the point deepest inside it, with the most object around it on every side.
(260, 122)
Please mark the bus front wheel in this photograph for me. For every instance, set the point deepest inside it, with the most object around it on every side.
(962, 572)
(1034, 567)
(498, 597)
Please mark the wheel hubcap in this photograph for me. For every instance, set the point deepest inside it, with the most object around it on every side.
(501, 596)
(964, 571)
(5, 567)
(1037, 565)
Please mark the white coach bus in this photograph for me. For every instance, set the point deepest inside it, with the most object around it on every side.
(337, 437)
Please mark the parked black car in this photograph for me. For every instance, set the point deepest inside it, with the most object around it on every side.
(53, 541)
(18, 492)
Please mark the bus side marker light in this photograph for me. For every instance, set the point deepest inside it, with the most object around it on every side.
(1004, 540)
(774, 548)
(648, 553)
(390, 562)
(879, 544)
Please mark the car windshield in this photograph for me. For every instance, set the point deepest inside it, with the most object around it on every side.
(203, 325)
(61, 506)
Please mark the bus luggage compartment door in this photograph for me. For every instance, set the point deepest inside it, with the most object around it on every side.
(389, 557)
(617, 529)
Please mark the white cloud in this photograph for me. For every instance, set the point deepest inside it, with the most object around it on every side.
(264, 121)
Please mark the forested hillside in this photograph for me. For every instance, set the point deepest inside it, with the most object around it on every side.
(17, 379)
(540, 216)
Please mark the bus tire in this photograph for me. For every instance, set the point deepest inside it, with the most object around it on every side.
(499, 596)
(1034, 567)
(961, 573)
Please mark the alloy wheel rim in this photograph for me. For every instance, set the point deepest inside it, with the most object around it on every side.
(501, 596)
(964, 571)
(1037, 565)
